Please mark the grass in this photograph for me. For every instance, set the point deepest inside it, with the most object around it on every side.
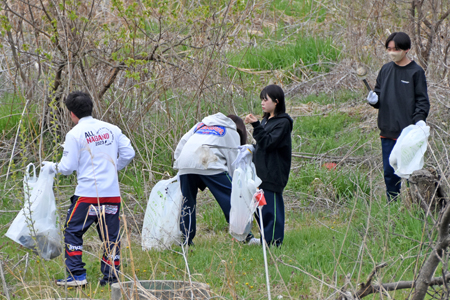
(299, 8)
(335, 98)
(324, 243)
(351, 235)
(337, 184)
(229, 267)
(334, 133)
(330, 247)
(307, 51)
(11, 108)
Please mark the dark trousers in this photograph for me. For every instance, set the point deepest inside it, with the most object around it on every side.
(83, 212)
(220, 187)
(392, 181)
(273, 218)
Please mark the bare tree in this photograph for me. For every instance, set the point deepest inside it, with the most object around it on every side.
(428, 28)
(134, 58)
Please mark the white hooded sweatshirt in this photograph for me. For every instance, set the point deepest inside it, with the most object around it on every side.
(209, 148)
(96, 150)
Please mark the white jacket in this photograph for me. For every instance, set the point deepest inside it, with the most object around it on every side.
(96, 150)
(209, 148)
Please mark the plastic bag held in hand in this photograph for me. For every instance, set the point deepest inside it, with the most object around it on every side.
(35, 226)
(50, 165)
(421, 123)
(409, 150)
(244, 156)
(372, 98)
(243, 187)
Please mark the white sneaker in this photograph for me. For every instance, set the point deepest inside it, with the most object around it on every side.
(254, 241)
(75, 280)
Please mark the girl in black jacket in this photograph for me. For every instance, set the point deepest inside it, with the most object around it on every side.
(272, 158)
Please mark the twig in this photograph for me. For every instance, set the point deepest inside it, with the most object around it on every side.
(5, 286)
(329, 157)
(15, 143)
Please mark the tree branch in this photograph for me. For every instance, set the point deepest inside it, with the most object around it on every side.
(428, 269)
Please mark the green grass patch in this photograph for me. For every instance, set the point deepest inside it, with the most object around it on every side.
(300, 9)
(11, 108)
(327, 246)
(338, 184)
(338, 97)
(304, 51)
(336, 133)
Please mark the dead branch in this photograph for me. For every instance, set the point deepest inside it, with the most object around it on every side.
(428, 269)
(368, 288)
(423, 49)
(394, 286)
(331, 158)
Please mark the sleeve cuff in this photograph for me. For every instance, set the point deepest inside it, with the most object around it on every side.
(418, 118)
(256, 124)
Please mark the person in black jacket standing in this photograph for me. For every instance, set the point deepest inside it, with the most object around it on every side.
(401, 97)
(272, 159)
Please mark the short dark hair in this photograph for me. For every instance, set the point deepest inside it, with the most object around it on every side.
(79, 103)
(275, 93)
(401, 40)
(240, 128)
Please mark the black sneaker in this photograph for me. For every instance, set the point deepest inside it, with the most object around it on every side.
(108, 280)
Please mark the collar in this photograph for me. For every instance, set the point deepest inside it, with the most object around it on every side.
(84, 119)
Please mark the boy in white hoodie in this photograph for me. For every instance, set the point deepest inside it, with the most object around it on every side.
(203, 157)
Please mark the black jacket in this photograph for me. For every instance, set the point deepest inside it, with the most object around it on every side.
(402, 98)
(273, 151)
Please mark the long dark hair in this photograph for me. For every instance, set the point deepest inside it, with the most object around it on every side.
(240, 128)
(275, 93)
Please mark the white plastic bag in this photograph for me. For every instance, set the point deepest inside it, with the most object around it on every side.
(162, 217)
(35, 226)
(29, 181)
(243, 187)
(409, 150)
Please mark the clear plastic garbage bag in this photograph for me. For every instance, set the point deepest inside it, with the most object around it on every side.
(35, 226)
(409, 150)
(162, 217)
(243, 187)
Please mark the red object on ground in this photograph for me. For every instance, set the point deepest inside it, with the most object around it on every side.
(261, 199)
(329, 166)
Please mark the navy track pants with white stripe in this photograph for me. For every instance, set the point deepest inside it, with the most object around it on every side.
(83, 212)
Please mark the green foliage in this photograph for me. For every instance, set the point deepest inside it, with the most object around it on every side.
(338, 97)
(213, 216)
(343, 182)
(335, 132)
(303, 51)
(11, 108)
(300, 8)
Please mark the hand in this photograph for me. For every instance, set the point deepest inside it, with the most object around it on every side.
(50, 165)
(245, 155)
(372, 98)
(248, 147)
(250, 119)
(421, 123)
